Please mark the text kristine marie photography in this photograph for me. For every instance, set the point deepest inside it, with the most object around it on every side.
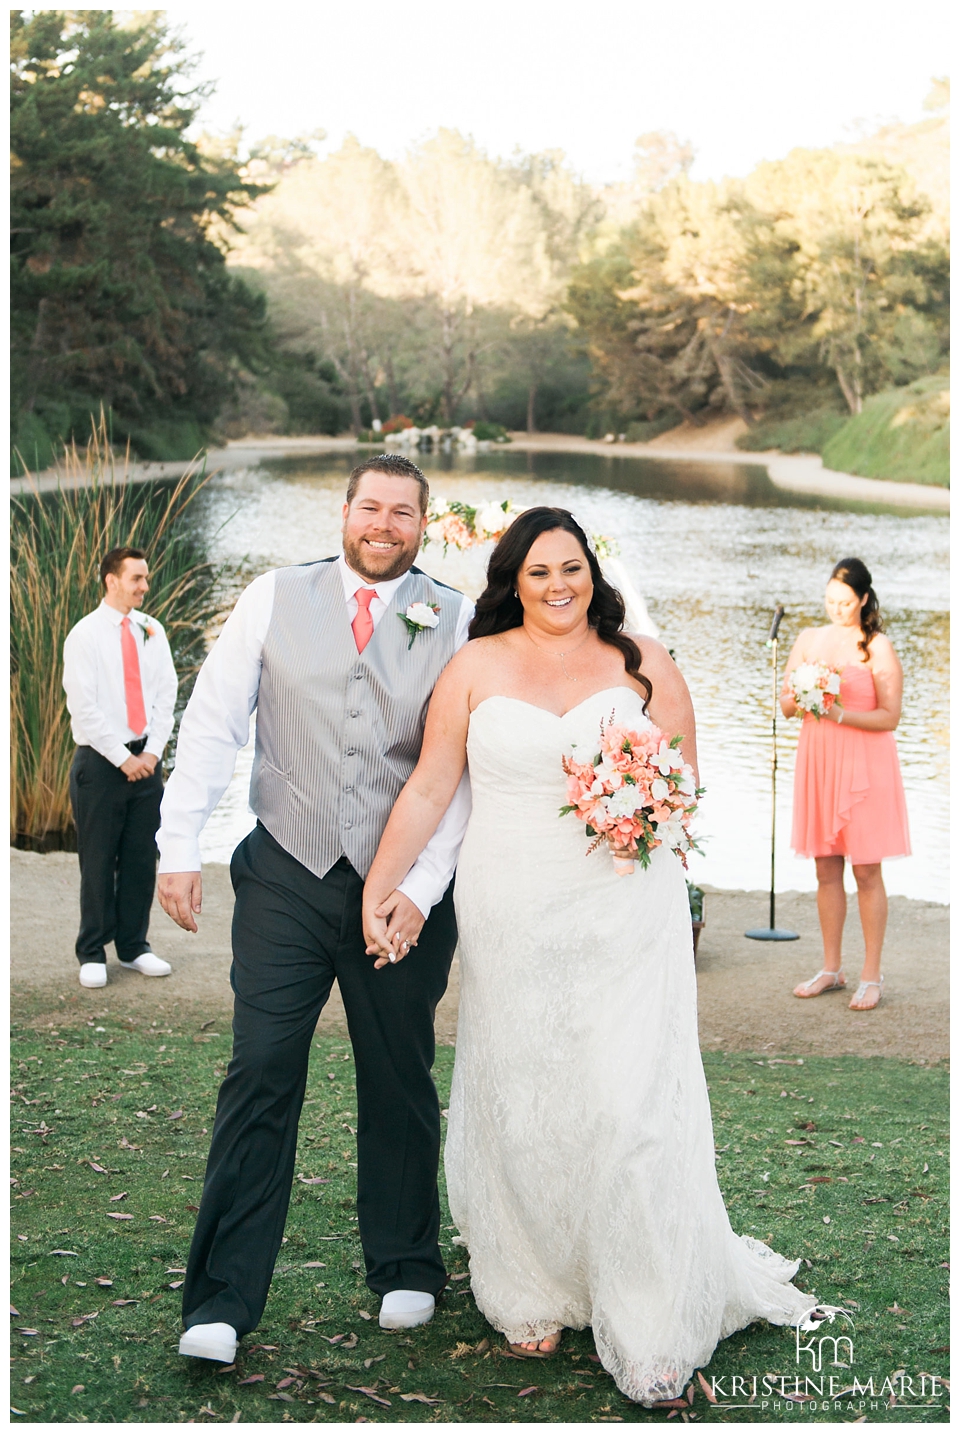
(813, 1386)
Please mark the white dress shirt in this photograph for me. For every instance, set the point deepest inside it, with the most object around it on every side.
(216, 725)
(96, 694)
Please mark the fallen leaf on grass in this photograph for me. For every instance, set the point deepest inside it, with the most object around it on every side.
(97, 1168)
(350, 1341)
(326, 1398)
(335, 1339)
(362, 1313)
(177, 1115)
(104, 1283)
(77, 1388)
(707, 1390)
(14, 1313)
(525, 1391)
(119, 1216)
(369, 1393)
(29, 1333)
(799, 1397)
(281, 1397)
(65, 1253)
(302, 1180)
(119, 1303)
(265, 1347)
(158, 1219)
(193, 1208)
(228, 1368)
(254, 1378)
(689, 1392)
(177, 1284)
(286, 1382)
(797, 1141)
(420, 1398)
(115, 1197)
(369, 1362)
(455, 1278)
(210, 1412)
(125, 1144)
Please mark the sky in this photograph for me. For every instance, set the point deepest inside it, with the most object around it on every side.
(743, 81)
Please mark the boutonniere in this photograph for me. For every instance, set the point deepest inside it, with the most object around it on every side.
(148, 629)
(417, 617)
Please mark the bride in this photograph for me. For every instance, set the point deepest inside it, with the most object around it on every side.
(579, 1158)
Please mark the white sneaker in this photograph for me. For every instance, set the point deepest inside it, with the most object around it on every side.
(93, 974)
(149, 964)
(405, 1308)
(215, 1341)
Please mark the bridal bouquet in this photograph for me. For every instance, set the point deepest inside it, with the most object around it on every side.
(814, 687)
(633, 791)
(462, 526)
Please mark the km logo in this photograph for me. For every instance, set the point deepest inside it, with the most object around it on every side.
(825, 1313)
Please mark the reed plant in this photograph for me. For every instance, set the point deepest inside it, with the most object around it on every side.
(58, 539)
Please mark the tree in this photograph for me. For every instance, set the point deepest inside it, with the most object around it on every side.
(866, 281)
(323, 246)
(119, 289)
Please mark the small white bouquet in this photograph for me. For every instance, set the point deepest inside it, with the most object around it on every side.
(815, 687)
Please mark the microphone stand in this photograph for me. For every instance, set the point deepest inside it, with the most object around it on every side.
(771, 932)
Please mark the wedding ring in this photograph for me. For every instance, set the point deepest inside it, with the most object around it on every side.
(405, 945)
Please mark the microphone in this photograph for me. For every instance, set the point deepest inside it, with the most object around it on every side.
(775, 625)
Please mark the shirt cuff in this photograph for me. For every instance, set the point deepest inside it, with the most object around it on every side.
(154, 748)
(117, 754)
(177, 853)
(419, 888)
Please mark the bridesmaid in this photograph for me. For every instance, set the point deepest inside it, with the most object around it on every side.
(848, 794)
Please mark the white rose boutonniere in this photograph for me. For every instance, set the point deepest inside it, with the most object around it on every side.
(417, 618)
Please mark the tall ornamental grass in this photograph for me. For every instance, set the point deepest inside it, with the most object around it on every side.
(58, 540)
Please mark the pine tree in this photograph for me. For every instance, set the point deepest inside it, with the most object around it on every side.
(120, 292)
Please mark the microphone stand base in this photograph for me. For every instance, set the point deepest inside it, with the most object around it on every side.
(772, 933)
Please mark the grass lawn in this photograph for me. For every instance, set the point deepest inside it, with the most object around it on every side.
(842, 1161)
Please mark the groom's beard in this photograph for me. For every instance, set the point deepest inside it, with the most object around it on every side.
(379, 567)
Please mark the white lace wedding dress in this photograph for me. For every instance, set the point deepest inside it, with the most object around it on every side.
(579, 1155)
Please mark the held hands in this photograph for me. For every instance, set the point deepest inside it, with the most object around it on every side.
(180, 893)
(135, 768)
(391, 928)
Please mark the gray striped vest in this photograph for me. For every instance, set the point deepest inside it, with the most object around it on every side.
(338, 732)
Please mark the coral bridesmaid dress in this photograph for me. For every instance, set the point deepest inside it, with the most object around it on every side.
(848, 793)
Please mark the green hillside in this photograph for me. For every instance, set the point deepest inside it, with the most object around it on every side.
(902, 434)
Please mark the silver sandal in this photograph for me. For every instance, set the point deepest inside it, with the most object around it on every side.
(808, 984)
(862, 989)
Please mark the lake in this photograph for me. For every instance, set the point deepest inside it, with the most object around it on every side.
(712, 548)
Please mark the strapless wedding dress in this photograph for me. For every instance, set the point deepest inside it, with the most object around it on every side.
(579, 1154)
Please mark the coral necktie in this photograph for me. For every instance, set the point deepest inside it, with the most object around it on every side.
(362, 624)
(136, 712)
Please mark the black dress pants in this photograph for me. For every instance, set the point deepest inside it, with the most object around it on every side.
(117, 821)
(293, 934)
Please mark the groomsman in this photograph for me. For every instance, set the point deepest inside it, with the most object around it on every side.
(121, 688)
(339, 659)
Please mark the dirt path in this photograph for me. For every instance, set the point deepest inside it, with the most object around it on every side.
(744, 986)
(712, 443)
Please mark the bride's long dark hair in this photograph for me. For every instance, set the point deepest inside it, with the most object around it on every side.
(499, 608)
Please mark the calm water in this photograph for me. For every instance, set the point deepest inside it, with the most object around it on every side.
(712, 549)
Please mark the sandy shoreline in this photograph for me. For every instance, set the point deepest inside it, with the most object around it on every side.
(743, 986)
(801, 473)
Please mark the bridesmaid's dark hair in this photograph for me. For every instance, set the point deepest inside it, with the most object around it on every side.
(856, 575)
(499, 608)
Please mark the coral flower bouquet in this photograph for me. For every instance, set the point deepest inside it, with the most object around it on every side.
(634, 792)
(815, 687)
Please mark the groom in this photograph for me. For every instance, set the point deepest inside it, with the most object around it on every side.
(340, 672)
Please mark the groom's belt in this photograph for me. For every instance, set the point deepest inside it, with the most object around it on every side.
(136, 747)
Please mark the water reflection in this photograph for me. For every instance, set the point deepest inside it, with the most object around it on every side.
(712, 548)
